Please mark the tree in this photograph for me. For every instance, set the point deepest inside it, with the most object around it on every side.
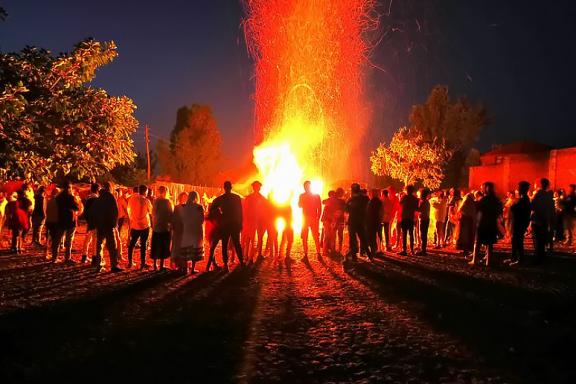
(457, 122)
(53, 123)
(192, 155)
(411, 158)
(134, 173)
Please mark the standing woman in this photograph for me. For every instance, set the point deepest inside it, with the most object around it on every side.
(181, 265)
(189, 219)
(162, 211)
(17, 220)
(488, 212)
(465, 231)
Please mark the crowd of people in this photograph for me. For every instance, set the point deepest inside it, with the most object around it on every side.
(249, 228)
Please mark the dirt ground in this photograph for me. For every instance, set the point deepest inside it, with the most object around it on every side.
(397, 320)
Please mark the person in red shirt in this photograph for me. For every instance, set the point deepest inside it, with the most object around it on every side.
(311, 211)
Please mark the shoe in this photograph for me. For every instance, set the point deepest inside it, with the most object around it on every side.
(402, 253)
(116, 269)
(99, 269)
(129, 265)
(514, 263)
(144, 266)
(472, 263)
(84, 259)
(225, 268)
(69, 262)
(420, 253)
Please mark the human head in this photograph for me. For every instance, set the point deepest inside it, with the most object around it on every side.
(410, 189)
(307, 185)
(544, 183)
(331, 194)
(107, 186)
(162, 190)
(385, 192)
(488, 188)
(523, 188)
(41, 190)
(20, 193)
(355, 188)
(572, 189)
(340, 193)
(142, 189)
(256, 186)
(424, 193)
(67, 186)
(192, 197)
(182, 198)
(227, 186)
(374, 192)
(94, 187)
(135, 190)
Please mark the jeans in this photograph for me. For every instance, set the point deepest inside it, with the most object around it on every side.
(386, 230)
(424, 224)
(136, 234)
(109, 235)
(357, 232)
(540, 237)
(518, 243)
(68, 234)
(407, 229)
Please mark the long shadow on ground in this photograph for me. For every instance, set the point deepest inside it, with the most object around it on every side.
(530, 334)
(193, 334)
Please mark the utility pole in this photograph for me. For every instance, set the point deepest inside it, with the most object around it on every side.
(147, 137)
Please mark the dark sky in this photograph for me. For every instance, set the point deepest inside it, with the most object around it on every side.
(517, 57)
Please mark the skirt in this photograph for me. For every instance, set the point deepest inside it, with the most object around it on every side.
(191, 254)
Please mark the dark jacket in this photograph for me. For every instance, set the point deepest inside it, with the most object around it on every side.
(104, 211)
(374, 212)
(67, 206)
(229, 206)
(356, 208)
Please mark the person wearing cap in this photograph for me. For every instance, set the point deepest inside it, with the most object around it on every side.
(311, 212)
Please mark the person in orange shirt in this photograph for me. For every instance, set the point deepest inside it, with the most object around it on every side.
(140, 215)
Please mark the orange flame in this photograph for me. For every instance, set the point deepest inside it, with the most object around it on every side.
(309, 80)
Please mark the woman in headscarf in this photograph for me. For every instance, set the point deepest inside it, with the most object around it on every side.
(190, 219)
(177, 232)
(466, 214)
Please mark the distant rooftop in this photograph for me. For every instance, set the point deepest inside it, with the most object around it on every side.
(518, 147)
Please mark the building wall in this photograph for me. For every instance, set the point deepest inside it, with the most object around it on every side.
(562, 167)
(557, 165)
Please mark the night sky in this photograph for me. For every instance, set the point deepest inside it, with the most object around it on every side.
(517, 57)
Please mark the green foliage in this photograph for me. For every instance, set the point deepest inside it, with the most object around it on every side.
(192, 155)
(455, 121)
(52, 123)
(411, 158)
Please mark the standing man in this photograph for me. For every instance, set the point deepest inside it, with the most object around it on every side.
(387, 217)
(68, 209)
(440, 213)
(38, 215)
(90, 237)
(139, 214)
(356, 208)
(311, 211)
(520, 220)
(424, 210)
(409, 206)
(229, 208)
(105, 217)
(255, 208)
(542, 219)
(569, 215)
(374, 222)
